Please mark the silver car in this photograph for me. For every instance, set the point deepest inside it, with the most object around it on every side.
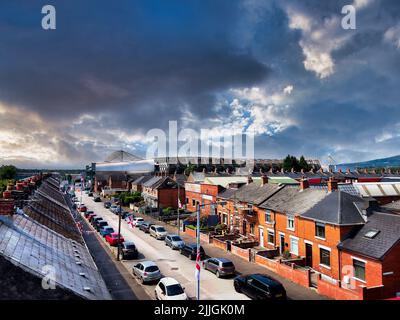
(174, 241)
(147, 271)
(158, 232)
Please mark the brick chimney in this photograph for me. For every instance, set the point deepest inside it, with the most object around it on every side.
(304, 184)
(332, 184)
(264, 179)
(348, 171)
(249, 180)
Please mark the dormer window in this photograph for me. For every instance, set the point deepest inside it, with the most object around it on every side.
(370, 234)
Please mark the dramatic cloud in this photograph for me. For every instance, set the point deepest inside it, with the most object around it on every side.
(285, 70)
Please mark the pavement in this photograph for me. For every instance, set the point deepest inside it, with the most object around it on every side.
(171, 263)
(119, 282)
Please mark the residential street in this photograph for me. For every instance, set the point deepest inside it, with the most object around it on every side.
(173, 264)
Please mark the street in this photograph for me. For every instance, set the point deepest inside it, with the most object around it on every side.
(170, 262)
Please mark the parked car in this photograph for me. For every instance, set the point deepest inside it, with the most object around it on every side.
(106, 230)
(190, 250)
(113, 208)
(124, 214)
(260, 287)
(97, 199)
(99, 224)
(91, 217)
(145, 226)
(113, 239)
(220, 266)
(90, 194)
(158, 232)
(147, 271)
(137, 221)
(128, 250)
(82, 208)
(88, 213)
(170, 289)
(107, 204)
(174, 241)
(95, 219)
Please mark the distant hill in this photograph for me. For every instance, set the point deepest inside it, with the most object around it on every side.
(391, 162)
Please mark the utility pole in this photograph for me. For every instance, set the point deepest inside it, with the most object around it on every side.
(198, 250)
(119, 230)
(179, 205)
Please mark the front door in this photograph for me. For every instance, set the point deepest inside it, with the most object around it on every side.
(309, 255)
(282, 244)
(244, 231)
(261, 237)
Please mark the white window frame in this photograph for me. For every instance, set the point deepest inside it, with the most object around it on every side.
(272, 231)
(291, 247)
(268, 213)
(330, 256)
(287, 222)
(317, 237)
(365, 266)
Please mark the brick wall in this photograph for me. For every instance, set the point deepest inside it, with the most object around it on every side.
(190, 232)
(219, 244)
(242, 253)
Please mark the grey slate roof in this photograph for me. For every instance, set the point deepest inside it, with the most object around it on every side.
(395, 205)
(293, 201)
(226, 193)
(152, 182)
(388, 226)
(32, 246)
(141, 179)
(338, 208)
(254, 193)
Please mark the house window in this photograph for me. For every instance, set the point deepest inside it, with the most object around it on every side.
(251, 228)
(193, 203)
(187, 200)
(271, 237)
(359, 269)
(290, 222)
(225, 218)
(320, 230)
(294, 246)
(325, 257)
(268, 216)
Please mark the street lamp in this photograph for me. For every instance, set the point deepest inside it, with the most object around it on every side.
(198, 239)
(119, 230)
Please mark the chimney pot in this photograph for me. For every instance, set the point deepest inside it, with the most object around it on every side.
(332, 184)
(304, 184)
(249, 180)
(264, 180)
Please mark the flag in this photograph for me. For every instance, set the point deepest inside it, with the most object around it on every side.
(130, 221)
(198, 265)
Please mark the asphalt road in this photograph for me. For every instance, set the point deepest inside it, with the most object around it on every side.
(170, 262)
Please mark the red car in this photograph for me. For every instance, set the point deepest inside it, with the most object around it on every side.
(82, 209)
(112, 239)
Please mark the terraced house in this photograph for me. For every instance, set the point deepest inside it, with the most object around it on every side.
(350, 244)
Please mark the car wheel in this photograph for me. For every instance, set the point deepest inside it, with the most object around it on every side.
(218, 274)
(237, 287)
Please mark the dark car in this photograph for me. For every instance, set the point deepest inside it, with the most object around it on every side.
(124, 214)
(145, 226)
(97, 199)
(190, 250)
(91, 217)
(107, 204)
(260, 287)
(90, 194)
(219, 266)
(99, 224)
(88, 213)
(94, 220)
(128, 250)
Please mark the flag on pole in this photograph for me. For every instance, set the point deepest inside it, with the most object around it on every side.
(198, 265)
(130, 221)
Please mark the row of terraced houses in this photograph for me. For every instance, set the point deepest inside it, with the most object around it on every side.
(334, 235)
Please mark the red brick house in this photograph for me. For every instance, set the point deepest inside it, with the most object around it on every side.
(162, 192)
(136, 184)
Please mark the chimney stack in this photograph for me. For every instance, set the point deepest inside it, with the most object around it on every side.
(348, 171)
(249, 179)
(332, 184)
(304, 184)
(264, 179)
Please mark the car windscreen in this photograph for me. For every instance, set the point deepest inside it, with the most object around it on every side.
(174, 290)
(227, 264)
(151, 269)
(160, 229)
(130, 246)
(109, 229)
(176, 238)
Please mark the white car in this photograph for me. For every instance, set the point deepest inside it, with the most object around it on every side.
(137, 221)
(170, 289)
(158, 232)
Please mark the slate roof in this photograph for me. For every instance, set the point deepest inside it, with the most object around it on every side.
(254, 193)
(338, 208)
(152, 182)
(293, 201)
(226, 193)
(395, 205)
(141, 179)
(388, 226)
(158, 182)
(32, 246)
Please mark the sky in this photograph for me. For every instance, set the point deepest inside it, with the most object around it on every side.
(113, 70)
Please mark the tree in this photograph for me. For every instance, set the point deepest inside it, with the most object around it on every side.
(303, 164)
(291, 162)
(8, 172)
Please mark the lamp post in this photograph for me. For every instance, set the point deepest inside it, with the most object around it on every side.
(198, 240)
(119, 230)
